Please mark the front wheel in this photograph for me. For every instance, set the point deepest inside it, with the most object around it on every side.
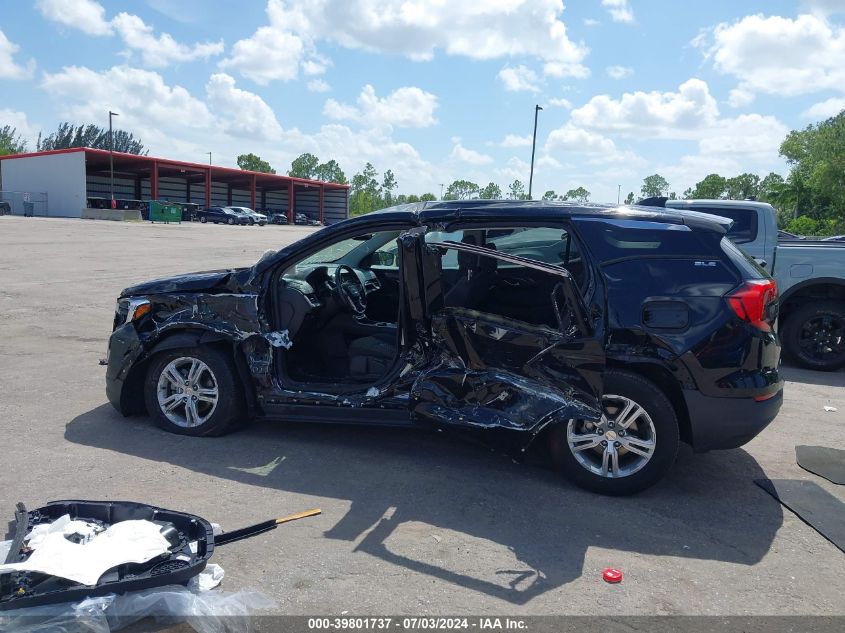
(814, 335)
(230, 221)
(193, 392)
(630, 449)
(203, 220)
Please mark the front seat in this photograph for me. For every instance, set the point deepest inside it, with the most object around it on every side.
(371, 356)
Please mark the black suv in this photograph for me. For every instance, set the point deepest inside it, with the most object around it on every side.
(609, 334)
(221, 214)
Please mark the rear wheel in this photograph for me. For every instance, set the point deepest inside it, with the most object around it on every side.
(630, 448)
(230, 221)
(193, 392)
(203, 220)
(814, 335)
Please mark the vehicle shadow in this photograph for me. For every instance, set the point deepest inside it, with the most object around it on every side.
(708, 507)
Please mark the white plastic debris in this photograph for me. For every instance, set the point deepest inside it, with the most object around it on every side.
(208, 578)
(372, 392)
(5, 546)
(279, 339)
(831, 409)
(124, 542)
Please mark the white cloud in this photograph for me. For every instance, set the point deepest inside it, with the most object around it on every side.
(319, 85)
(825, 109)
(416, 29)
(560, 103)
(780, 55)
(740, 97)
(9, 68)
(513, 140)
(619, 10)
(156, 50)
(86, 15)
(141, 97)
(162, 50)
(246, 114)
(591, 22)
(824, 7)
(514, 169)
(647, 114)
(19, 120)
(595, 148)
(562, 69)
(404, 107)
(520, 78)
(619, 72)
(469, 156)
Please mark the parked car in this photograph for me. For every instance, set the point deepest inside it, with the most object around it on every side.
(5, 208)
(810, 276)
(835, 238)
(221, 214)
(278, 218)
(787, 236)
(304, 220)
(189, 211)
(606, 334)
(254, 217)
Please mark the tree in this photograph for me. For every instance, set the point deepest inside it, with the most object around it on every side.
(251, 162)
(330, 171)
(711, 186)
(388, 184)
(516, 191)
(743, 187)
(491, 192)
(10, 141)
(629, 199)
(428, 197)
(654, 185)
(551, 195)
(93, 136)
(461, 190)
(579, 195)
(412, 198)
(365, 192)
(304, 166)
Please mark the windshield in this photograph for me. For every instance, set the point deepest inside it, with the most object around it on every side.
(353, 248)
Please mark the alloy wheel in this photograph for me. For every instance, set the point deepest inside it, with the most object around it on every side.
(618, 445)
(187, 392)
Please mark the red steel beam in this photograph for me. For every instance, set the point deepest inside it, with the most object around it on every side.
(207, 188)
(154, 181)
(322, 189)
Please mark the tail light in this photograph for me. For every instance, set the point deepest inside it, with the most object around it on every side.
(751, 299)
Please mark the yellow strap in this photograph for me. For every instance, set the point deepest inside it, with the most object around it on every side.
(299, 515)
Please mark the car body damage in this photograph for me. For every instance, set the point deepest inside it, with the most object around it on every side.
(485, 315)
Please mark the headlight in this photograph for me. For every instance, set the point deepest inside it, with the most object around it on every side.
(129, 309)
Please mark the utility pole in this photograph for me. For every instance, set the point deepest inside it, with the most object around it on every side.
(111, 156)
(537, 109)
(441, 191)
(619, 195)
(209, 158)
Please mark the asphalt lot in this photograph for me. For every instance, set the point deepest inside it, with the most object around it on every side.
(413, 522)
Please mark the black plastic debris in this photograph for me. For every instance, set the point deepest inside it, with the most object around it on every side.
(812, 504)
(822, 461)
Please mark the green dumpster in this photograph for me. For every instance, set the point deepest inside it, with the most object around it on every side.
(165, 212)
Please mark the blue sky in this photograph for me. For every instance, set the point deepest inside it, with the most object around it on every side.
(437, 90)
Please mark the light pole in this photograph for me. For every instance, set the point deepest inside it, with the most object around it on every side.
(209, 158)
(619, 195)
(441, 191)
(111, 156)
(537, 109)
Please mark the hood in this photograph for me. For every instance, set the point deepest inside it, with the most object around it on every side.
(208, 281)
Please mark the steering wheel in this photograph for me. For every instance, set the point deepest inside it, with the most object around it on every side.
(350, 289)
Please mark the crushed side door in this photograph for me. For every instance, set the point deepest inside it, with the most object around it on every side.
(488, 371)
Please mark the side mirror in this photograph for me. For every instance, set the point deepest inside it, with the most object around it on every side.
(384, 258)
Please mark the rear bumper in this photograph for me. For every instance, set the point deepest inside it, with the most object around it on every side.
(719, 423)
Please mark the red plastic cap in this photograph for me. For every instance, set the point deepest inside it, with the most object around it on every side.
(612, 575)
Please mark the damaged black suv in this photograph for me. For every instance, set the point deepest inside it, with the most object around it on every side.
(609, 333)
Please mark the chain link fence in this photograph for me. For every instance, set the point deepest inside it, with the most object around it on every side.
(28, 203)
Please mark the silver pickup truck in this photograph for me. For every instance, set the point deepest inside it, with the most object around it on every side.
(810, 276)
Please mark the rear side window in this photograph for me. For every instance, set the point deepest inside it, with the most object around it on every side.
(749, 268)
(744, 228)
(611, 240)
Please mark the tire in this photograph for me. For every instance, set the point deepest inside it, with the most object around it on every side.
(814, 335)
(230, 221)
(215, 371)
(620, 387)
(251, 222)
(203, 220)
